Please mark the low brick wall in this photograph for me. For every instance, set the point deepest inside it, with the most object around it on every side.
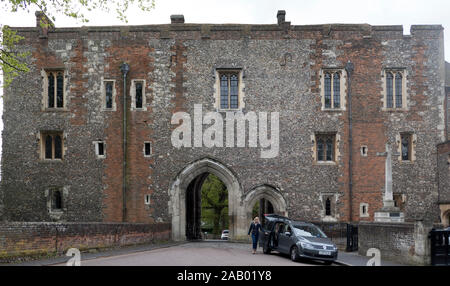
(27, 239)
(405, 243)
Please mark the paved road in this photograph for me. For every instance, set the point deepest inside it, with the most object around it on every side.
(198, 254)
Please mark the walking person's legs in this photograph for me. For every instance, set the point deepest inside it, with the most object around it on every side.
(255, 242)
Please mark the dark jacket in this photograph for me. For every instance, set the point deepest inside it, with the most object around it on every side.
(254, 228)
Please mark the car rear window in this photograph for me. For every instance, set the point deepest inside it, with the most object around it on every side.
(308, 231)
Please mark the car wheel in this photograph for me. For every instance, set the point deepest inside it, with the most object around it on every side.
(294, 253)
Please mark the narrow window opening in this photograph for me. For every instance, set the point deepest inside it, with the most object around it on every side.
(364, 151)
(234, 91)
(224, 92)
(48, 147)
(101, 150)
(389, 90)
(336, 90)
(139, 95)
(398, 90)
(56, 200)
(109, 94)
(328, 207)
(147, 149)
(406, 147)
(320, 148)
(147, 199)
(59, 90)
(329, 149)
(58, 147)
(51, 90)
(327, 90)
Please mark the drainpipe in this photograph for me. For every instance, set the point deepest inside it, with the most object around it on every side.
(349, 70)
(124, 68)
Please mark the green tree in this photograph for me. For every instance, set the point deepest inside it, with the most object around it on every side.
(215, 204)
(13, 61)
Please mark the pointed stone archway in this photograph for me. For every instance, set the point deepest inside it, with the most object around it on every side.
(187, 184)
(268, 193)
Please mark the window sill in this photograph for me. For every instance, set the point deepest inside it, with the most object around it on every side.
(333, 109)
(329, 218)
(394, 109)
(229, 110)
(325, 163)
(60, 109)
(52, 160)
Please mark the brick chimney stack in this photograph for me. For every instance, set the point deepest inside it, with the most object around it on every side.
(177, 19)
(281, 15)
(43, 23)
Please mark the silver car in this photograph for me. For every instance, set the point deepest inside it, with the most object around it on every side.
(299, 240)
(224, 235)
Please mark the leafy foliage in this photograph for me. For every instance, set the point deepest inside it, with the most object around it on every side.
(215, 204)
(12, 61)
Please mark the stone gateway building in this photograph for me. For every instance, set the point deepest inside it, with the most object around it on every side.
(88, 132)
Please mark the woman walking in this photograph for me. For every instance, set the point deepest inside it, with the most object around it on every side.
(255, 226)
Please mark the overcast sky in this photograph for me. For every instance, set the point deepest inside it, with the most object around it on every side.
(301, 12)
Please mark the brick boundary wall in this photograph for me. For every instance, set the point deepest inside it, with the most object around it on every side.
(406, 243)
(22, 240)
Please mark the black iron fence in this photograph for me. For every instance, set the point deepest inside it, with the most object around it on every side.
(440, 246)
(352, 237)
(344, 235)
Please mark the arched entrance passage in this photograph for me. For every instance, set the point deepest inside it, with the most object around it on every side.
(269, 198)
(446, 220)
(184, 203)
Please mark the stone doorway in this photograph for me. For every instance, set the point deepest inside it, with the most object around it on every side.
(269, 200)
(206, 208)
(185, 202)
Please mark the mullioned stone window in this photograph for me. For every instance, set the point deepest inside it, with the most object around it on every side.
(325, 148)
(137, 93)
(229, 90)
(394, 89)
(52, 145)
(54, 86)
(332, 89)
